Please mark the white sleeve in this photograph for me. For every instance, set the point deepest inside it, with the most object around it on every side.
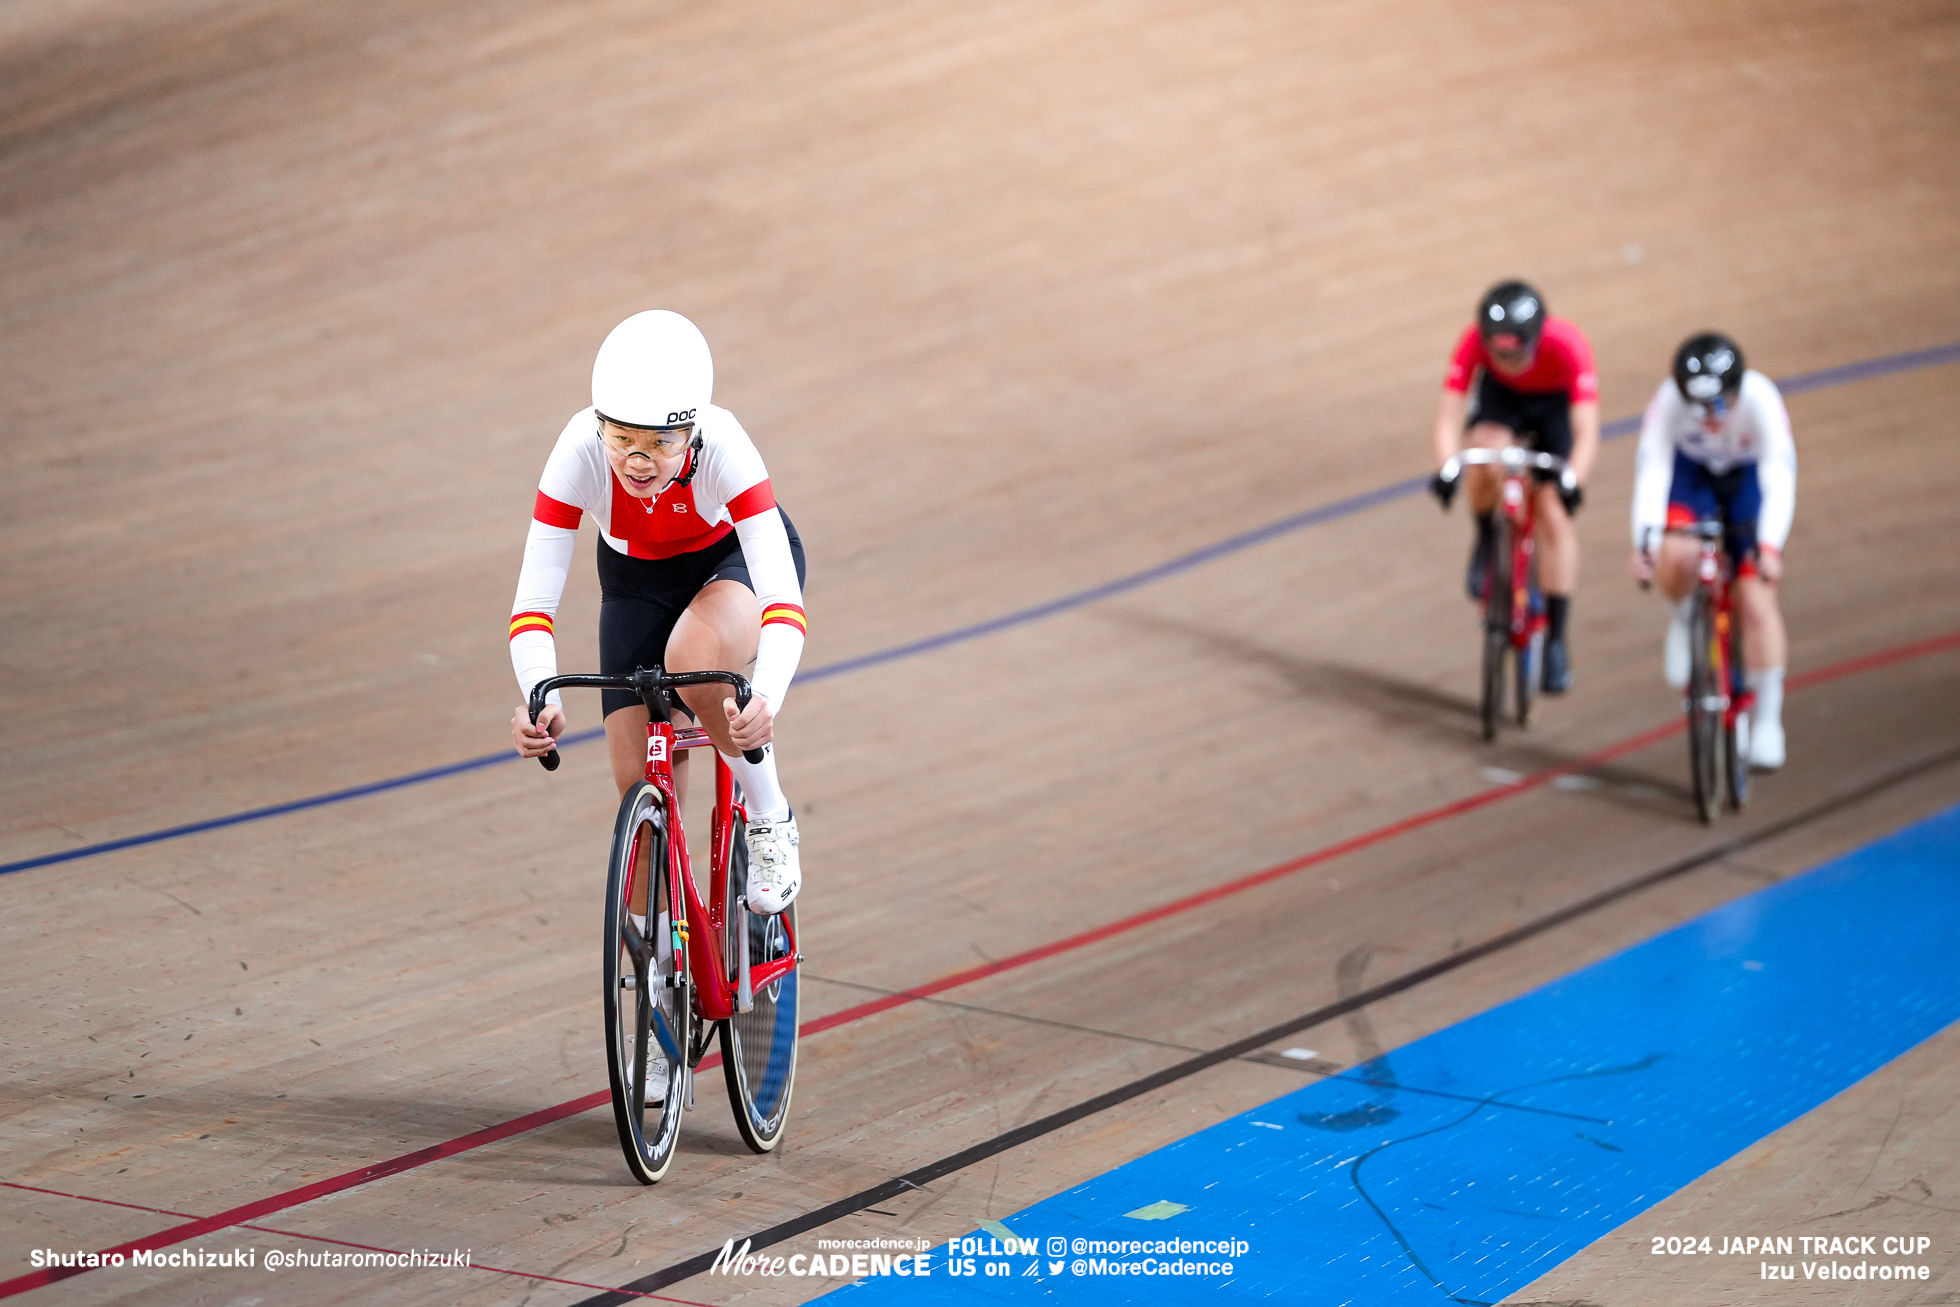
(765, 548)
(733, 480)
(568, 489)
(1654, 469)
(540, 585)
(1776, 468)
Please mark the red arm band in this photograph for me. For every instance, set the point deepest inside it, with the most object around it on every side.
(554, 512)
(523, 622)
(787, 614)
(758, 498)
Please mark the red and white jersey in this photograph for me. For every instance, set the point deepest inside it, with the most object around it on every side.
(1756, 429)
(728, 491)
(1563, 362)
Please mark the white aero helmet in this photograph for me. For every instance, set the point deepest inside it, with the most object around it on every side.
(654, 370)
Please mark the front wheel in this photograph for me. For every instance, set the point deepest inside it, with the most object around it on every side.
(758, 1047)
(1707, 701)
(1498, 590)
(648, 1006)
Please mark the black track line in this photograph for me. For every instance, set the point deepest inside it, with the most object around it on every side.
(1000, 1143)
(1256, 1058)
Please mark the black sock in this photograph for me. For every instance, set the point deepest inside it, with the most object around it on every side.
(1556, 607)
(1486, 529)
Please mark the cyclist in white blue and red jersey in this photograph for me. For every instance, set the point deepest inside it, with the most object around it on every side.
(699, 570)
(1535, 386)
(1715, 444)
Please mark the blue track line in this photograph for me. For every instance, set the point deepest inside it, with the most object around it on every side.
(1838, 376)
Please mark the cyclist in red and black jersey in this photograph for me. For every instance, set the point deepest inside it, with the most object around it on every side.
(1534, 385)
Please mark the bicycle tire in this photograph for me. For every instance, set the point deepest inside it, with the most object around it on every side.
(1530, 662)
(1735, 732)
(1529, 657)
(758, 1047)
(1704, 718)
(1497, 626)
(660, 1010)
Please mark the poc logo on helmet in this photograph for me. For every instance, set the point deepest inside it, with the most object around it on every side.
(675, 419)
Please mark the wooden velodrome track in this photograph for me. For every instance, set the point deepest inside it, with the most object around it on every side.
(1017, 299)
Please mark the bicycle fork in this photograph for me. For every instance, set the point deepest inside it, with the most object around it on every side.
(1524, 615)
(683, 1001)
(744, 990)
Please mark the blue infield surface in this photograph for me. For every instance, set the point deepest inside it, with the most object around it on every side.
(1575, 1108)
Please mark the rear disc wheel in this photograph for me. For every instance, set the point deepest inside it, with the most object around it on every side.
(1735, 761)
(1735, 736)
(758, 1047)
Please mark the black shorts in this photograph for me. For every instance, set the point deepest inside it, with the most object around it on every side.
(640, 600)
(1543, 423)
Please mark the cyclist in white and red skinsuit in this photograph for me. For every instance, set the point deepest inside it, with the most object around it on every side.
(1715, 443)
(698, 570)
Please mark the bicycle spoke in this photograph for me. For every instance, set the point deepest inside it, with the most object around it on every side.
(664, 1033)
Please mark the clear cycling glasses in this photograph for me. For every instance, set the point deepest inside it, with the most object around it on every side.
(649, 443)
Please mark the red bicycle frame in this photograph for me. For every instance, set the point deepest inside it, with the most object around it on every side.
(1527, 618)
(739, 981)
(1713, 575)
(722, 985)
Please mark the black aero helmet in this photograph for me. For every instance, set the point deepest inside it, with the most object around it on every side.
(1511, 308)
(1708, 364)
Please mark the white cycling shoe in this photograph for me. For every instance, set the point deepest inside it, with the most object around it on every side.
(775, 874)
(1675, 653)
(1766, 745)
(657, 1078)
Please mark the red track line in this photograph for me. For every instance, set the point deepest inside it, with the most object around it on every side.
(1243, 883)
(1883, 658)
(321, 1188)
(321, 1238)
(318, 1189)
(242, 1215)
(106, 1202)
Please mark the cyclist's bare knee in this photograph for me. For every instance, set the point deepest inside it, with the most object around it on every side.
(626, 745)
(1482, 483)
(695, 646)
(1551, 508)
(705, 702)
(1675, 570)
(701, 650)
(1764, 641)
(718, 632)
(1758, 600)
